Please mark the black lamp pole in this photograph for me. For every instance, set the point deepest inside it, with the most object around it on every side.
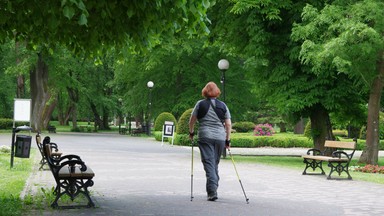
(150, 85)
(223, 65)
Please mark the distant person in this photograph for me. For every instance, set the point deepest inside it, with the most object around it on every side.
(213, 135)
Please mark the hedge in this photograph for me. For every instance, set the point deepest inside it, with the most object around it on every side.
(261, 141)
(8, 123)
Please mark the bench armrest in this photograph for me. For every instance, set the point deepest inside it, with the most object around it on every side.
(73, 163)
(54, 146)
(314, 151)
(339, 153)
(68, 157)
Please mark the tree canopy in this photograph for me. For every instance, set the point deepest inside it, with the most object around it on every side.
(87, 25)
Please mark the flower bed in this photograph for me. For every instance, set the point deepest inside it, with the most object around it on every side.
(370, 169)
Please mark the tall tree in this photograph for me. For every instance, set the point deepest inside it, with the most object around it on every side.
(347, 36)
(179, 70)
(260, 32)
(88, 25)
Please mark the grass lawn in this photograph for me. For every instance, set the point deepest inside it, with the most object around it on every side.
(12, 182)
(297, 163)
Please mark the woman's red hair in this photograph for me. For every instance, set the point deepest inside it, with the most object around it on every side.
(210, 90)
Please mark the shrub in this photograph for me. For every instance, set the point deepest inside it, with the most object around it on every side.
(243, 126)
(8, 123)
(255, 142)
(340, 133)
(363, 132)
(263, 130)
(307, 130)
(183, 123)
(5, 149)
(163, 117)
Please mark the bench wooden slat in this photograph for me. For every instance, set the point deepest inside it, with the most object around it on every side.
(339, 144)
(83, 174)
(65, 172)
(324, 158)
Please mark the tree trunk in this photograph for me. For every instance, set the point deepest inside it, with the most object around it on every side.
(73, 94)
(20, 77)
(46, 118)
(98, 122)
(39, 93)
(321, 128)
(105, 118)
(20, 86)
(74, 116)
(63, 110)
(370, 154)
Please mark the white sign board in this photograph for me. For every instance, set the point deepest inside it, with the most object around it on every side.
(168, 131)
(22, 110)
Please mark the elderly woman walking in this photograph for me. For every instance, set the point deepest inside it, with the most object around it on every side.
(213, 135)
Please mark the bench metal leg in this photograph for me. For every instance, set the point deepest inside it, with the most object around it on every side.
(339, 167)
(72, 188)
(43, 162)
(310, 163)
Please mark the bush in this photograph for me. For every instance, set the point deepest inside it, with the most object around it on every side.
(243, 127)
(5, 149)
(163, 117)
(8, 123)
(263, 141)
(263, 130)
(255, 142)
(183, 123)
(307, 130)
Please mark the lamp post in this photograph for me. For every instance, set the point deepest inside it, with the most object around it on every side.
(223, 65)
(120, 105)
(150, 85)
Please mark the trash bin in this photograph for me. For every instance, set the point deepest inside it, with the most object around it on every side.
(23, 146)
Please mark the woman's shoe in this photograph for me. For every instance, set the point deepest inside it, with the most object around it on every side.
(212, 197)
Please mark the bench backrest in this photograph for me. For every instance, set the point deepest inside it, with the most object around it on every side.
(340, 144)
(39, 145)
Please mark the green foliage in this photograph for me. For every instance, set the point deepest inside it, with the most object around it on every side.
(247, 141)
(141, 23)
(307, 130)
(280, 140)
(363, 132)
(243, 126)
(8, 123)
(165, 116)
(183, 123)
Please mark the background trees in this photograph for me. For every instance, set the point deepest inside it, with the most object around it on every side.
(347, 38)
(88, 26)
(287, 60)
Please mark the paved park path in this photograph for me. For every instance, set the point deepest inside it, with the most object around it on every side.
(139, 176)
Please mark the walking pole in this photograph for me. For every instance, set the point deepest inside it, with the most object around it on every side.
(241, 184)
(192, 172)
